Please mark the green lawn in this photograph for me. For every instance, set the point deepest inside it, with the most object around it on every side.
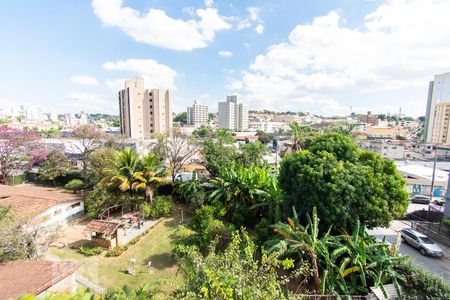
(154, 246)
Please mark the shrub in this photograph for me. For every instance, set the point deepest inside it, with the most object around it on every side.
(423, 285)
(161, 207)
(116, 251)
(88, 249)
(446, 223)
(74, 185)
(263, 230)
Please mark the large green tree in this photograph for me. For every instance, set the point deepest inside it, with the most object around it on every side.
(344, 183)
(100, 160)
(55, 165)
(217, 155)
(252, 153)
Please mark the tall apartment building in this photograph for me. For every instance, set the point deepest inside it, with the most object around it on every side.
(440, 133)
(144, 111)
(197, 114)
(233, 115)
(438, 92)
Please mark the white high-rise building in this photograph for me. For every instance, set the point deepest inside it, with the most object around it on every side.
(233, 115)
(144, 111)
(197, 114)
(438, 92)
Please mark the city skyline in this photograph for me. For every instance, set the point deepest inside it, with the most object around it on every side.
(299, 56)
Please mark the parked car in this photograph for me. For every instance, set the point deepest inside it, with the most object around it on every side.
(421, 242)
(185, 176)
(422, 199)
(439, 201)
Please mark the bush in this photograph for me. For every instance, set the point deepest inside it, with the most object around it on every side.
(74, 185)
(116, 251)
(423, 285)
(446, 223)
(90, 249)
(263, 230)
(161, 207)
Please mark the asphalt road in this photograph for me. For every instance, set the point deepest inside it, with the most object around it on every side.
(440, 266)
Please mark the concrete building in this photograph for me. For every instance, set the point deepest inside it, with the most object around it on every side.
(440, 130)
(369, 119)
(197, 114)
(144, 111)
(438, 92)
(233, 115)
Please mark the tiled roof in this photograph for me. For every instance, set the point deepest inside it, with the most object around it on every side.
(23, 277)
(102, 226)
(28, 201)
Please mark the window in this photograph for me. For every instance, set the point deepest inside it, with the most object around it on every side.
(57, 212)
(75, 205)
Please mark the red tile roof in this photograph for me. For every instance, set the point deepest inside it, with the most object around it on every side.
(28, 201)
(23, 277)
(102, 226)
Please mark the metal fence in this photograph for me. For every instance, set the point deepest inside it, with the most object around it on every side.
(435, 231)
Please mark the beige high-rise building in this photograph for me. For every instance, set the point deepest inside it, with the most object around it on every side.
(440, 131)
(197, 114)
(438, 92)
(144, 111)
(233, 115)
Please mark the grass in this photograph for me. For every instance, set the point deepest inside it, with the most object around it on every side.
(155, 246)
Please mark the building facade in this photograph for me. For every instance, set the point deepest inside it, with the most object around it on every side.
(440, 130)
(438, 92)
(233, 115)
(197, 115)
(144, 111)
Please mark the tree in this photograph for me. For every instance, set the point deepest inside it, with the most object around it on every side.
(300, 135)
(263, 137)
(15, 243)
(344, 183)
(13, 150)
(252, 153)
(178, 150)
(202, 132)
(151, 175)
(55, 165)
(217, 156)
(100, 160)
(37, 156)
(181, 117)
(89, 139)
(224, 136)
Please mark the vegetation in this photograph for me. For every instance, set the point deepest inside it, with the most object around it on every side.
(100, 160)
(161, 207)
(346, 184)
(14, 243)
(55, 165)
(346, 264)
(181, 117)
(89, 249)
(75, 185)
(263, 137)
(89, 139)
(218, 156)
(235, 273)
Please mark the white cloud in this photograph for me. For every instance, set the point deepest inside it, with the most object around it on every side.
(235, 85)
(189, 10)
(259, 29)
(225, 53)
(155, 27)
(209, 3)
(154, 74)
(402, 44)
(83, 79)
(252, 17)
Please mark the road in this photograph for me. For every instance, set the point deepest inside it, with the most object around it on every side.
(439, 266)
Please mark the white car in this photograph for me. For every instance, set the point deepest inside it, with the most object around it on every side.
(184, 176)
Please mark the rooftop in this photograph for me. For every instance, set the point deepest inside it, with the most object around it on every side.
(28, 200)
(23, 277)
(102, 226)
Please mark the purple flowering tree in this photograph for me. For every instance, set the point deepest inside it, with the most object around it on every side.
(13, 153)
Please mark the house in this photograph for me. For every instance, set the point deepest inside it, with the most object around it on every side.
(106, 234)
(37, 277)
(37, 207)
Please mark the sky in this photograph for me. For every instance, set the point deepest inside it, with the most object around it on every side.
(327, 57)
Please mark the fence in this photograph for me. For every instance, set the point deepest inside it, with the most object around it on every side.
(435, 231)
(90, 285)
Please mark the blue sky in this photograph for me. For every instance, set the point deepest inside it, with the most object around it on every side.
(319, 56)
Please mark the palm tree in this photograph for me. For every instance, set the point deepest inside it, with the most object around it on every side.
(300, 135)
(124, 175)
(151, 174)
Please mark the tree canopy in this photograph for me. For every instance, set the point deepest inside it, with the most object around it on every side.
(344, 183)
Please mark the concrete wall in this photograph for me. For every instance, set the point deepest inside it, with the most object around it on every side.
(59, 214)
